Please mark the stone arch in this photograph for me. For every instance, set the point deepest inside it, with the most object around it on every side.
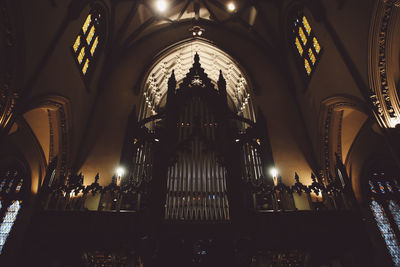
(384, 61)
(48, 120)
(179, 58)
(341, 119)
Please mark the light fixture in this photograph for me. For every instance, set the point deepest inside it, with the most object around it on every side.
(120, 171)
(161, 5)
(274, 172)
(196, 31)
(231, 7)
(157, 140)
(237, 140)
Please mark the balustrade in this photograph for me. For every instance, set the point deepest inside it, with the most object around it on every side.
(131, 195)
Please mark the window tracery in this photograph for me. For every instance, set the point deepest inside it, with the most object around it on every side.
(8, 222)
(306, 44)
(11, 187)
(87, 42)
(386, 211)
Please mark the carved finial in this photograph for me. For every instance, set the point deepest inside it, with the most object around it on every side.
(96, 178)
(313, 177)
(171, 84)
(172, 77)
(221, 78)
(196, 58)
(296, 177)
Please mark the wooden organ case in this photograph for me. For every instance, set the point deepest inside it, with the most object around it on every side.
(203, 155)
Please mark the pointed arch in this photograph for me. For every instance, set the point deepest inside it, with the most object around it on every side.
(49, 118)
(341, 119)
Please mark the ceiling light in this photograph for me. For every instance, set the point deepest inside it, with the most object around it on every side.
(161, 5)
(231, 6)
(197, 30)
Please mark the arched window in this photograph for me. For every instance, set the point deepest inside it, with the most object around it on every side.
(88, 41)
(8, 222)
(11, 187)
(383, 195)
(306, 43)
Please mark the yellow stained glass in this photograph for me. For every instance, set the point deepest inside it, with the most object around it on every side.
(86, 24)
(90, 35)
(302, 36)
(307, 67)
(316, 45)
(95, 43)
(85, 67)
(299, 47)
(311, 56)
(306, 25)
(81, 55)
(77, 43)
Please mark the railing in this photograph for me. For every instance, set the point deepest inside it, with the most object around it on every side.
(317, 196)
(117, 196)
(132, 196)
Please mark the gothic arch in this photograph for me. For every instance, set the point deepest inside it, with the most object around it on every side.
(341, 119)
(383, 64)
(179, 58)
(49, 120)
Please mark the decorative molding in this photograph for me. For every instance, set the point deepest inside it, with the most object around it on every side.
(383, 93)
(8, 87)
(61, 106)
(330, 105)
(395, 3)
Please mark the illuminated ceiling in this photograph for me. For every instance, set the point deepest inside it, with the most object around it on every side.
(180, 59)
(255, 17)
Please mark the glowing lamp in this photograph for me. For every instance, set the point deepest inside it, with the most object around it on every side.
(161, 5)
(274, 172)
(231, 6)
(120, 171)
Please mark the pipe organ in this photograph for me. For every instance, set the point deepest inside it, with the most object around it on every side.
(143, 162)
(190, 144)
(196, 185)
(251, 162)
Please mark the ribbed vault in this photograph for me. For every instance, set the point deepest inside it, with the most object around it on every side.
(180, 59)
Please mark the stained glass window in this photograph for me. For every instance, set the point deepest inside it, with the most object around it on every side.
(306, 44)
(395, 210)
(386, 231)
(88, 39)
(386, 211)
(8, 222)
(381, 187)
(372, 187)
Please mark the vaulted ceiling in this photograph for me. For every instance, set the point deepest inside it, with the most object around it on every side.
(136, 19)
(180, 59)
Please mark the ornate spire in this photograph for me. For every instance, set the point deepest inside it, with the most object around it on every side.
(172, 82)
(222, 87)
(196, 76)
(171, 88)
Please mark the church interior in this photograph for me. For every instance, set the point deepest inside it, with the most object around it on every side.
(149, 133)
